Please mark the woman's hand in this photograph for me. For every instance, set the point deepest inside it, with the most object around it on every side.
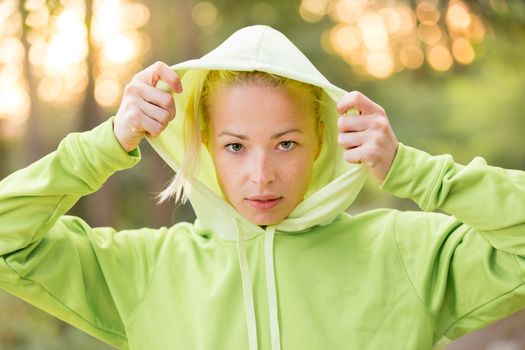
(368, 137)
(146, 110)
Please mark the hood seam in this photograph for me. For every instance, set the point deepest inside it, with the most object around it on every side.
(257, 54)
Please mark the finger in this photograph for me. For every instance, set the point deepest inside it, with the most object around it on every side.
(350, 140)
(359, 122)
(155, 112)
(160, 71)
(151, 127)
(354, 155)
(359, 101)
(157, 97)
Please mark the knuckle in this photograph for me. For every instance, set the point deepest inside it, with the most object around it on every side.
(375, 125)
(135, 111)
(374, 153)
(344, 101)
(378, 124)
(348, 156)
(131, 88)
(165, 101)
(165, 116)
(382, 126)
(171, 102)
(155, 131)
(357, 95)
(133, 118)
(135, 114)
(350, 99)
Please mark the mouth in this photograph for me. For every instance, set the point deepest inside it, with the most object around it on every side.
(264, 202)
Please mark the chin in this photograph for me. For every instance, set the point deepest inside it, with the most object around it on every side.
(265, 219)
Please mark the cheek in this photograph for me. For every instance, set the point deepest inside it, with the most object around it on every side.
(298, 171)
(228, 173)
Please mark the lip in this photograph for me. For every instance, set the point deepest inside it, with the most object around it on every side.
(264, 202)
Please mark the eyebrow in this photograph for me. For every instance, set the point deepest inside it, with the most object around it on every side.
(275, 136)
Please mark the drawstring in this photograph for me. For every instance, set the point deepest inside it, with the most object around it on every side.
(247, 291)
(270, 288)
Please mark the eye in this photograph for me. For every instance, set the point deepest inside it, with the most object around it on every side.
(234, 147)
(287, 145)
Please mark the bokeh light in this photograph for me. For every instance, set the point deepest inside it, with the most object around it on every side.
(379, 38)
(56, 48)
(313, 10)
(463, 51)
(440, 58)
(411, 56)
(14, 98)
(204, 14)
(107, 90)
(118, 43)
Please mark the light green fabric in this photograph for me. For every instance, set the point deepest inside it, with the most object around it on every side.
(320, 279)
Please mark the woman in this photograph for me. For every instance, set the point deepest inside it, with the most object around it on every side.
(272, 260)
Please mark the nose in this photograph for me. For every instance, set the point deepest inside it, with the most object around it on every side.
(263, 171)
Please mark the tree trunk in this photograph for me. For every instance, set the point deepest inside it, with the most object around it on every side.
(36, 145)
(99, 208)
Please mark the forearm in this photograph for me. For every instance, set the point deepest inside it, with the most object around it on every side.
(487, 198)
(32, 199)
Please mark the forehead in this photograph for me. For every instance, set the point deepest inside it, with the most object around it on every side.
(257, 105)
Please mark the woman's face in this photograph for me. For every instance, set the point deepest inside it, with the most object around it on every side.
(263, 141)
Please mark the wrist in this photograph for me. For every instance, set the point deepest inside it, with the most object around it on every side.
(120, 138)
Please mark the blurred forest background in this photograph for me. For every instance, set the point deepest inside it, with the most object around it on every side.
(450, 74)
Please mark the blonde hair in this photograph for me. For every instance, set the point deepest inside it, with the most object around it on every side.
(194, 126)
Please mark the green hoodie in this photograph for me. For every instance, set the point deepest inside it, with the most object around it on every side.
(320, 279)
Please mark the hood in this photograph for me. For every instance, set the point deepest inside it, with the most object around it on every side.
(335, 183)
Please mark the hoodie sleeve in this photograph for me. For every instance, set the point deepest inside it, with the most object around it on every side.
(468, 269)
(56, 262)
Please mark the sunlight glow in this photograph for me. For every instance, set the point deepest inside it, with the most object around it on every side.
(313, 10)
(118, 43)
(345, 38)
(14, 99)
(463, 51)
(381, 37)
(107, 91)
(379, 64)
(119, 49)
(439, 58)
(458, 15)
(375, 36)
(427, 13)
(411, 56)
(429, 34)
